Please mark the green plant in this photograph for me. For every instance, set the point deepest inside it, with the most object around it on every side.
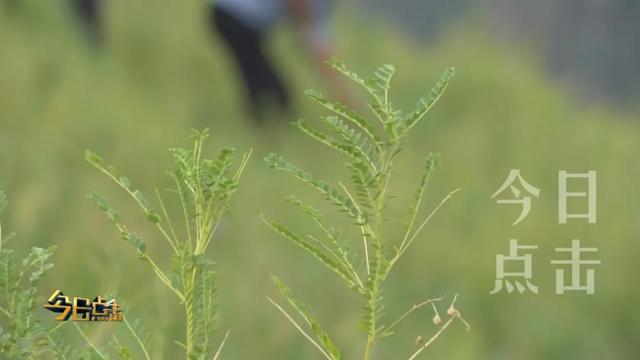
(22, 336)
(134, 330)
(371, 151)
(203, 188)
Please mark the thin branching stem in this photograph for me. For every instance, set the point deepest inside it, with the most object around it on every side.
(297, 326)
(343, 258)
(219, 351)
(326, 248)
(426, 220)
(432, 339)
(412, 309)
(406, 244)
(243, 165)
(137, 200)
(163, 277)
(453, 315)
(413, 218)
(156, 269)
(138, 340)
(212, 232)
(185, 210)
(89, 342)
(52, 341)
(166, 216)
(5, 312)
(53, 329)
(362, 225)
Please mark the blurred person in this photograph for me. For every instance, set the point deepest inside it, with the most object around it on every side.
(89, 16)
(244, 25)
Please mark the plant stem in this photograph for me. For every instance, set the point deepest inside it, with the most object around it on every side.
(432, 339)
(284, 312)
(143, 206)
(362, 227)
(217, 355)
(86, 338)
(163, 277)
(409, 240)
(188, 280)
(135, 335)
(367, 351)
(412, 309)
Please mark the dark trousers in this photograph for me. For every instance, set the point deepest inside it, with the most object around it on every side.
(88, 12)
(261, 80)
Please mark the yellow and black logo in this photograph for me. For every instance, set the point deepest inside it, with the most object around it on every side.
(82, 309)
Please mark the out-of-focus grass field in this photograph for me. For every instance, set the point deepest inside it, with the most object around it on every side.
(161, 75)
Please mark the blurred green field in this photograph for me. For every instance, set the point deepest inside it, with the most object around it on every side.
(161, 75)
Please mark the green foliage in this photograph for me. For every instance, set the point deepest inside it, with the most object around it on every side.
(321, 336)
(136, 330)
(206, 306)
(371, 148)
(3, 204)
(337, 266)
(203, 188)
(22, 336)
(332, 194)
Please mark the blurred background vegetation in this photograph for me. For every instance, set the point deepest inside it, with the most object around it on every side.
(160, 73)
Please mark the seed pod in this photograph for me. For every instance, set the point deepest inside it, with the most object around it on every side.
(437, 320)
(419, 341)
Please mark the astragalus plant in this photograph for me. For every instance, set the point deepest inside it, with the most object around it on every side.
(371, 148)
(22, 336)
(203, 187)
